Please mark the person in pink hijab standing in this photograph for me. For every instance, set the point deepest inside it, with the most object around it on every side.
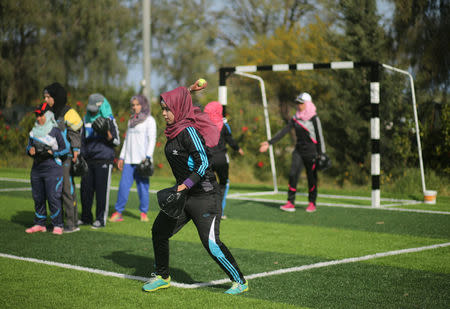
(189, 134)
(219, 156)
(308, 148)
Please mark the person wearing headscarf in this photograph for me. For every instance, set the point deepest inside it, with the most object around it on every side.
(309, 146)
(70, 123)
(99, 136)
(219, 157)
(46, 145)
(189, 132)
(139, 144)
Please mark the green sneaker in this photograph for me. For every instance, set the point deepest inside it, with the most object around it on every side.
(238, 288)
(156, 283)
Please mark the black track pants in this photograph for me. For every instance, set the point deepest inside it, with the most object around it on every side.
(97, 181)
(69, 197)
(47, 187)
(220, 165)
(203, 210)
(298, 162)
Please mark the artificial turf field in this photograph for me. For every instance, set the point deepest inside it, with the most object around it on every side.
(326, 259)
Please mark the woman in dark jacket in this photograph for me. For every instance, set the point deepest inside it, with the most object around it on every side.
(219, 157)
(309, 146)
(48, 147)
(189, 132)
(99, 136)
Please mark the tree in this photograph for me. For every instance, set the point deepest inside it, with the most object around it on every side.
(300, 44)
(20, 22)
(78, 43)
(250, 19)
(183, 40)
(360, 37)
(421, 32)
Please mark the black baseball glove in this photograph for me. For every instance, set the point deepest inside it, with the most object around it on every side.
(145, 168)
(172, 202)
(79, 168)
(323, 162)
(42, 153)
(101, 126)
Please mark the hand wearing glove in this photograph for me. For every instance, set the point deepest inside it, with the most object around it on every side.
(101, 126)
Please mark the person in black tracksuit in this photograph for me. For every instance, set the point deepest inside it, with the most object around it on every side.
(47, 146)
(97, 147)
(219, 157)
(309, 146)
(188, 131)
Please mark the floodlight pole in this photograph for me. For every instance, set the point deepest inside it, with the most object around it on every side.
(419, 147)
(268, 132)
(146, 22)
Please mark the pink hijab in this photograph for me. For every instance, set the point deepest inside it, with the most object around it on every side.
(186, 115)
(215, 111)
(308, 112)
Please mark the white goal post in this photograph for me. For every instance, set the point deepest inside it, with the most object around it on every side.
(267, 122)
(243, 70)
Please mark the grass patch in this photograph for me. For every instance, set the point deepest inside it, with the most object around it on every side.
(261, 237)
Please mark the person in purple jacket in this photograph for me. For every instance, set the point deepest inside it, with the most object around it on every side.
(48, 147)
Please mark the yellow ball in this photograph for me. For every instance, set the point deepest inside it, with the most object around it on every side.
(201, 82)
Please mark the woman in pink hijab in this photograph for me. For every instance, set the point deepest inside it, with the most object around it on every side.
(219, 156)
(308, 148)
(189, 132)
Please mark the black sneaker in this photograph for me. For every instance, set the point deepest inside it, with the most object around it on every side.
(97, 224)
(71, 230)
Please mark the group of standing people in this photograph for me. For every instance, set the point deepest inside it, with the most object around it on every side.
(60, 139)
(195, 149)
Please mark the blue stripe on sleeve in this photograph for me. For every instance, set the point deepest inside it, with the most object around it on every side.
(66, 149)
(201, 150)
(228, 127)
(190, 163)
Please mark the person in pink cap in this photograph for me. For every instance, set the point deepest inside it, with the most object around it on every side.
(308, 148)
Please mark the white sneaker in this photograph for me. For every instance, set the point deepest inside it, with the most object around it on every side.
(97, 224)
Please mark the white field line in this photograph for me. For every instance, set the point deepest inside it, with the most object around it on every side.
(241, 196)
(235, 195)
(15, 189)
(396, 202)
(348, 206)
(15, 179)
(29, 188)
(347, 197)
(223, 281)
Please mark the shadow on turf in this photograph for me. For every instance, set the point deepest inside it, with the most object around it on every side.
(143, 265)
(128, 214)
(278, 205)
(24, 218)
